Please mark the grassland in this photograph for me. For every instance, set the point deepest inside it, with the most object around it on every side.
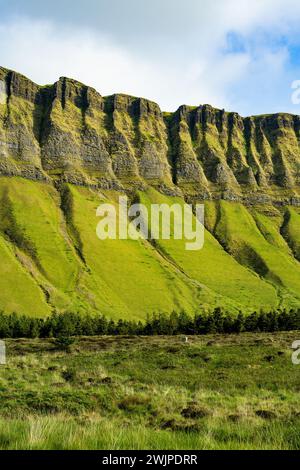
(53, 260)
(214, 392)
(131, 277)
(231, 283)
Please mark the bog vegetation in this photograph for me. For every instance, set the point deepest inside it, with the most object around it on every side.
(158, 392)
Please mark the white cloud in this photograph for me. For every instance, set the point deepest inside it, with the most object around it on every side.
(246, 15)
(41, 51)
(184, 65)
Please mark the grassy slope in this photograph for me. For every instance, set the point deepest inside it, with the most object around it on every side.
(152, 393)
(36, 213)
(267, 255)
(18, 291)
(36, 209)
(132, 278)
(216, 269)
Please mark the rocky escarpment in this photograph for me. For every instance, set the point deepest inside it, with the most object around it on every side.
(224, 153)
(65, 133)
(69, 132)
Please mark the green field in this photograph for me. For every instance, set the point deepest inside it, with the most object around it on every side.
(215, 392)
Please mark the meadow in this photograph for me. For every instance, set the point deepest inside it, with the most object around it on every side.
(130, 392)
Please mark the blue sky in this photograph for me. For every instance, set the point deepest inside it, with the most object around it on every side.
(241, 55)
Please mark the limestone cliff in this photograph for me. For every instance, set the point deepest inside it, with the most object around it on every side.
(69, 132)
(63, 147)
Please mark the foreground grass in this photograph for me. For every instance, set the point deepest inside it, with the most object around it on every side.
(215, 392)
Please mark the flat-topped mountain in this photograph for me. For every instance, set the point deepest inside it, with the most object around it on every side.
(68, 131)
(64, 149)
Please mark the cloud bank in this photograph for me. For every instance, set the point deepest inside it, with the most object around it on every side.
(236, 55)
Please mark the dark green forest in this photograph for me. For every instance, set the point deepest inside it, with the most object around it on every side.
(73, 324)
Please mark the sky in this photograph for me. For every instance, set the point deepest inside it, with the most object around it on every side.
(241, 55)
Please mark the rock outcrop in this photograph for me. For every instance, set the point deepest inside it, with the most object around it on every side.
(69, 132)
(246, 170)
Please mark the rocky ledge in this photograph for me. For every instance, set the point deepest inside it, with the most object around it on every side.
(69, 132)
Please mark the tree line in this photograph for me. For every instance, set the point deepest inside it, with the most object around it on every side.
(74, 324)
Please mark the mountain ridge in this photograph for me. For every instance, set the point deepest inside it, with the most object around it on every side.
(68, 131)
(64, 149)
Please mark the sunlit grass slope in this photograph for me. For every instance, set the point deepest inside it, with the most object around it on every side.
(37, 212)
(129, 278)
(215, 268)
(18, 291)
(258, 244)
(52, 259)
(34, 223)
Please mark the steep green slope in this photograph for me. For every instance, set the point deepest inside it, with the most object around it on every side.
(129, 278)
(215, 268)
(37, 213)
(238, 232)
(18, 291)
(52, 258)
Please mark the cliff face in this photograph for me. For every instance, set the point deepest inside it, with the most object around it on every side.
(69, 132)
(222, 151)
(71, 146)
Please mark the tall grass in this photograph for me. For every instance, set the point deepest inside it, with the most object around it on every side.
(214, 392)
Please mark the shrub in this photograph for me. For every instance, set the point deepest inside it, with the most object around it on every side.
(64, 343)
